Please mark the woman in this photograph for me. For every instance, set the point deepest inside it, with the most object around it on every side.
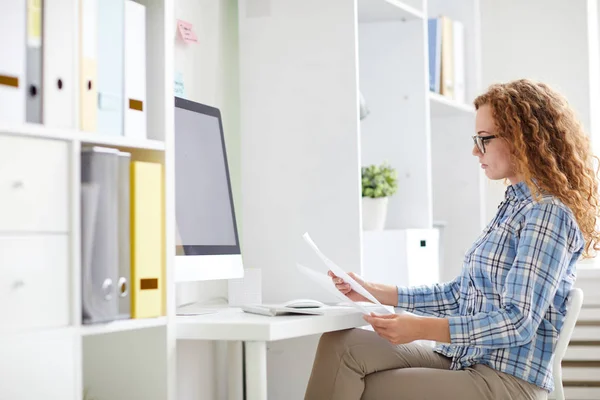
(496, 324)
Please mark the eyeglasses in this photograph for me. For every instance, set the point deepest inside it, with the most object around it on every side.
(480, 141)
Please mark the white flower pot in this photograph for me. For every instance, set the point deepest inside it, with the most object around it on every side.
(374, 212)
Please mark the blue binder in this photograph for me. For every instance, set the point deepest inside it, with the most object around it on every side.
(111, 47)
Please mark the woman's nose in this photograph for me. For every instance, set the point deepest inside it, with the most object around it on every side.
(476, 152)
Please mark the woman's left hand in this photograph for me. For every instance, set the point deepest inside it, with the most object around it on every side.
(396, 328)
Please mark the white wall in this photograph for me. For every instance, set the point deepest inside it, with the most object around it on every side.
(301, 157)
(210, 72)
(545, 40)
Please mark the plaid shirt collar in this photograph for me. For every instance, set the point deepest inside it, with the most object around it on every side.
(519, 191)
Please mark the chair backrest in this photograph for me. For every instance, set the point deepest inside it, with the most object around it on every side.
(574, 302)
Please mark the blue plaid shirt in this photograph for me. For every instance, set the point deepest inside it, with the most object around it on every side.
(508, 304)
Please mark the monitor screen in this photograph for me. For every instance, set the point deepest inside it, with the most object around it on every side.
(205, 217)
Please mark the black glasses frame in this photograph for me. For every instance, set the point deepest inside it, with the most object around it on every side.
(479, 141)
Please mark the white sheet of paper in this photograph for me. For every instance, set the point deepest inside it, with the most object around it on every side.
(342, 274)
(326, 283)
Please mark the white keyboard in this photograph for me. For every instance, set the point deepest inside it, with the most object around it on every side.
(274, 310)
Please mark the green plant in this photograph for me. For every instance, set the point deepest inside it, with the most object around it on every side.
(379, 180)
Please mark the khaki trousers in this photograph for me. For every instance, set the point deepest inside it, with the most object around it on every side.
(358, 364)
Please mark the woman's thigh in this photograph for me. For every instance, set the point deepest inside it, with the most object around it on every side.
(477, 383)
(373, 353)
(344, 358)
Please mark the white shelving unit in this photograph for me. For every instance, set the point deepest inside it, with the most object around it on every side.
(443, 107)
(387, 10)
(122, 326)
(62, 358)
(425, 135)
(71, 135)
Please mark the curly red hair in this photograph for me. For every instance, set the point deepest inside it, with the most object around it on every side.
(550, 146)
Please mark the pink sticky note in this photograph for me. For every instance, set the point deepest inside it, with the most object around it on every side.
(186, 32)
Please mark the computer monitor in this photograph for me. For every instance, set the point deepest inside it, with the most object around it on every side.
(207, 241)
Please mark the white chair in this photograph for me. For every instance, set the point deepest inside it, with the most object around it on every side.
(574, 302)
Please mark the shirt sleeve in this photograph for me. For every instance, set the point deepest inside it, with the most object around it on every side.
(439, 300)
(547, 241)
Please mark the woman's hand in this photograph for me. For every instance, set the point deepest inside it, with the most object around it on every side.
(345, 288)
(396, 328)
(385, 294)
(406, 328)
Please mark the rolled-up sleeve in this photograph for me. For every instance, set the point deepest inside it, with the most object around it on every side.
(547, 242)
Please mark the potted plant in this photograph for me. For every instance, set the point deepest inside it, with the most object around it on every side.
(378, 184)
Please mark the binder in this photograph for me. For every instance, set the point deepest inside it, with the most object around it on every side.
(100, 234)
(13, 22)
(33, 102)
(88, 55)
(111, 17)
(147, 250)
(135, 70)
(124, 278)
(59, 78)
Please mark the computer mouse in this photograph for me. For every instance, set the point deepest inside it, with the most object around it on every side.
(303, 303)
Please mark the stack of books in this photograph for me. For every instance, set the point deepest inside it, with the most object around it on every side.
(446, 42)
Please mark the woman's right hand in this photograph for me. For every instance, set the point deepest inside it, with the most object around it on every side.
(344, 287)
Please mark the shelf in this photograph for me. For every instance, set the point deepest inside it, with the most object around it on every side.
(386, 10)
(41, 131)
(122, 326)
(444, 107)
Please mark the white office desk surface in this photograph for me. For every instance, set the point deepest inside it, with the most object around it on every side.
(234, 324)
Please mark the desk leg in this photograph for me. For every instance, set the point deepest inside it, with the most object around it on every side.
(235, 371)
(256, 370)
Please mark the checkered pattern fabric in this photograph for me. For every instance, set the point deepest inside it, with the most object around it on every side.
(508, 305)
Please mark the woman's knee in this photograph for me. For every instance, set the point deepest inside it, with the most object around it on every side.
(339, 341)
(331, 340)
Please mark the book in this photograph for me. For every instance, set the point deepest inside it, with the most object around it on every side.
(447, 54)
(434, 33)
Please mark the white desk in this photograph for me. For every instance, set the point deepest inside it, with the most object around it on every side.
(232, 324)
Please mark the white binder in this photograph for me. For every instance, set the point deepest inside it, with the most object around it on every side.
(60, 78)
(124, 283)
(88, 59)
(12, 62)
(35, 49)
(135, 70)
(111, 15)
(100, 234)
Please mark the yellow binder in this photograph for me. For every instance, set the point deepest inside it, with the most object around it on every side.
(147, 247)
